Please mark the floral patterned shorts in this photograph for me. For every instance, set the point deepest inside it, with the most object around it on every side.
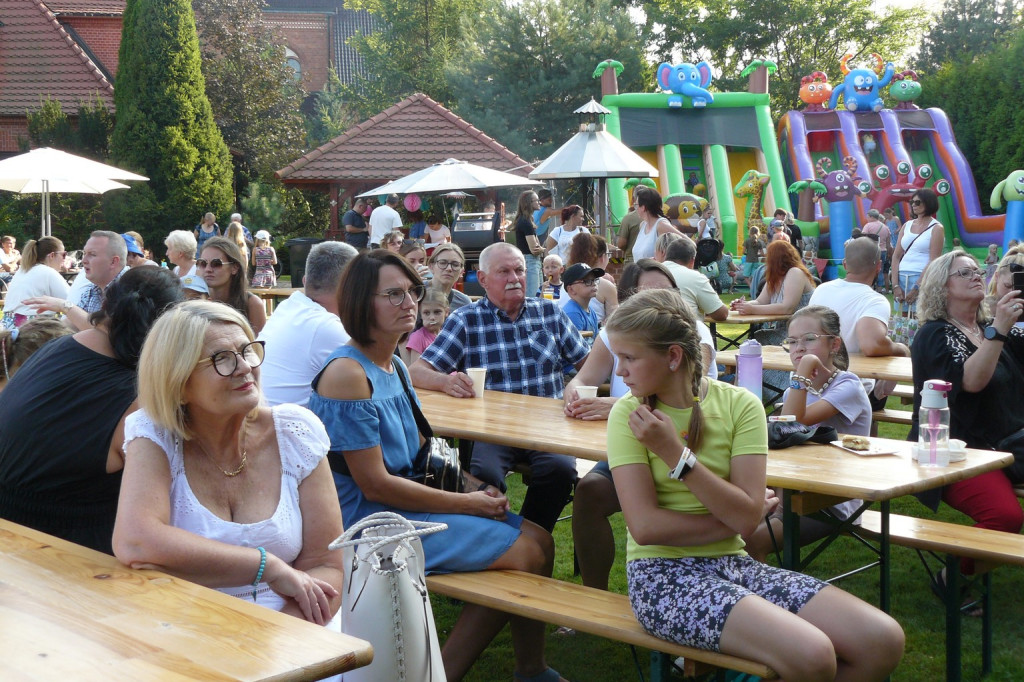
(688, 600)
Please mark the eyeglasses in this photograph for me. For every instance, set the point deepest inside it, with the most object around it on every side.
(967, 273)
(805, 340)
(225, 362)
(916, 202)
(216, 263)
(586, 282)
(397, 296)
(445, 264)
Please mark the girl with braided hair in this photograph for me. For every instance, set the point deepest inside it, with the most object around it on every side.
(688, 456)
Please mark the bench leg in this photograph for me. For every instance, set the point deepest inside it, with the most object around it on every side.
(661, 667)
(986, 625)
(953, 663)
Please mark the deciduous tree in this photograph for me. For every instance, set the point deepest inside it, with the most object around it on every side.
(524, 69)
(965, 30)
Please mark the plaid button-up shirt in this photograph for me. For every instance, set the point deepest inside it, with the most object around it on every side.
(526, 355)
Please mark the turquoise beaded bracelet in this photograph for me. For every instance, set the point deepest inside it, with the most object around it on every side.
(259, 573)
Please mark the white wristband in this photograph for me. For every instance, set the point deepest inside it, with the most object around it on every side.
(687, 460)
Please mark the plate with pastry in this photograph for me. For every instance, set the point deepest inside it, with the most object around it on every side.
(862, 446)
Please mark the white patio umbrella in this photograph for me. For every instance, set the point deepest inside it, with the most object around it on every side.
(593, 152)
(46, 170)
(449, 176)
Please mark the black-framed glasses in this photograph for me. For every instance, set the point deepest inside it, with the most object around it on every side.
(967, 273)
(805, 340)
(225, 362)
(589, 282)
(445, 264)
(216, 263)
(916, 202)
(1015, 267)
(397, 296)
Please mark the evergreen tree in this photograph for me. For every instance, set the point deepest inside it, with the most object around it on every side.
(165, 127)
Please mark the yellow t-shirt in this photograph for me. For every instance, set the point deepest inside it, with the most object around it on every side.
(734, 424)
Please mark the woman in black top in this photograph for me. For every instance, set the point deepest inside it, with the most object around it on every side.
(63, 415)
(527, 241)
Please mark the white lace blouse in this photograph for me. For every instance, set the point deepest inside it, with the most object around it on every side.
(302, 442)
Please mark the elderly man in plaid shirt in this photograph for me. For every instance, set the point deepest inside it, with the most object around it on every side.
(524, 343)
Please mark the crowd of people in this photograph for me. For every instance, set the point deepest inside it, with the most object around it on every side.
(186, 404)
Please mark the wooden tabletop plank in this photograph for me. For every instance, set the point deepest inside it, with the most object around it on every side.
(68, 612)
(736, 318)
(892, 368)
(275, 293)
(539, 423)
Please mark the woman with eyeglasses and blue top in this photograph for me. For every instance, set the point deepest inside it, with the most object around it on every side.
(222, 265)
(920, 241)
(977, 349)
(364, 397)
(822, 392)
(218, 488)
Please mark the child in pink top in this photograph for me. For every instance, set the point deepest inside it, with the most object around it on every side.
(433, 312)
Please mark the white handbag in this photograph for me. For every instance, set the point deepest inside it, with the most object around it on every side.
(385, 600)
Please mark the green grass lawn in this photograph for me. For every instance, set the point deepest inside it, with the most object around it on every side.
(581, 657)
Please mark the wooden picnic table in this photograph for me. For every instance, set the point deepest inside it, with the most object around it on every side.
(828, 473)
(69, 612)
(736, 318)
(889, 367)
(271, 297)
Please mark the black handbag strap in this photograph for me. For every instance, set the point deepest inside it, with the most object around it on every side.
(421, 421)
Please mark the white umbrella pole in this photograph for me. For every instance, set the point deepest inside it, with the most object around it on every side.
(45, 209)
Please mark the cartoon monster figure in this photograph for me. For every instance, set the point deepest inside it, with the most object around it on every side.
(691, 80)
(684, 210)
(815, 91)
(839, 188)
(1011, 190)
(860, 87)
(890, 191)
(751, 186)
(905, 89)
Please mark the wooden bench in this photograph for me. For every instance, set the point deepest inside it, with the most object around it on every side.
(954, 541)
(892, 416)
(585, 609)
(905, 392)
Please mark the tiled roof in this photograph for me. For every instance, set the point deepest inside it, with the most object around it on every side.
(90, 7)
(39, 58)
(408, 137)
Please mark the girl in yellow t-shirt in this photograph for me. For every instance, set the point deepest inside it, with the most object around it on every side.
(690, 580)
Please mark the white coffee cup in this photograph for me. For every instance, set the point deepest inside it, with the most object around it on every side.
(479, 377)
(586, 391)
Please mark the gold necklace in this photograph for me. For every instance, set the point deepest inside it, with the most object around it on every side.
(964, 327)
(229, 474)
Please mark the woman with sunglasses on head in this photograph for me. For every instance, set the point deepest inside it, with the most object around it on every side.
(822, 392)
(920, 241)
(364, 397)
(219, 489)
(39, 275)
(223, 269)
(63, 415)
(446, 263)
(983, 358)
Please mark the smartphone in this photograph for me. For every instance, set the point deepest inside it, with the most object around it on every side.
(1018, 282)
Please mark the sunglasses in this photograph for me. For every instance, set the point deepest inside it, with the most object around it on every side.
(216, 263)
(916, 202)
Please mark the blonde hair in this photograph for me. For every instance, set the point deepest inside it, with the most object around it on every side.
(15, 349)
(172, 350)
(435, 296)
(1014, 256)
(660, 319)
(828, 322)
(933, 293)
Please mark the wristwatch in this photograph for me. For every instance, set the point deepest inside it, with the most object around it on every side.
(992, 334)
(66, 308)
(687, 460)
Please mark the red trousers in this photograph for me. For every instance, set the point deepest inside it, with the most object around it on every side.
(988, 499)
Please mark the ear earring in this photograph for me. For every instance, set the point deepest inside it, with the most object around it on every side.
(672, 367)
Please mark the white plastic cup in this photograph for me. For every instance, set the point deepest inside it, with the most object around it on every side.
(586, 391)
(479, 377)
